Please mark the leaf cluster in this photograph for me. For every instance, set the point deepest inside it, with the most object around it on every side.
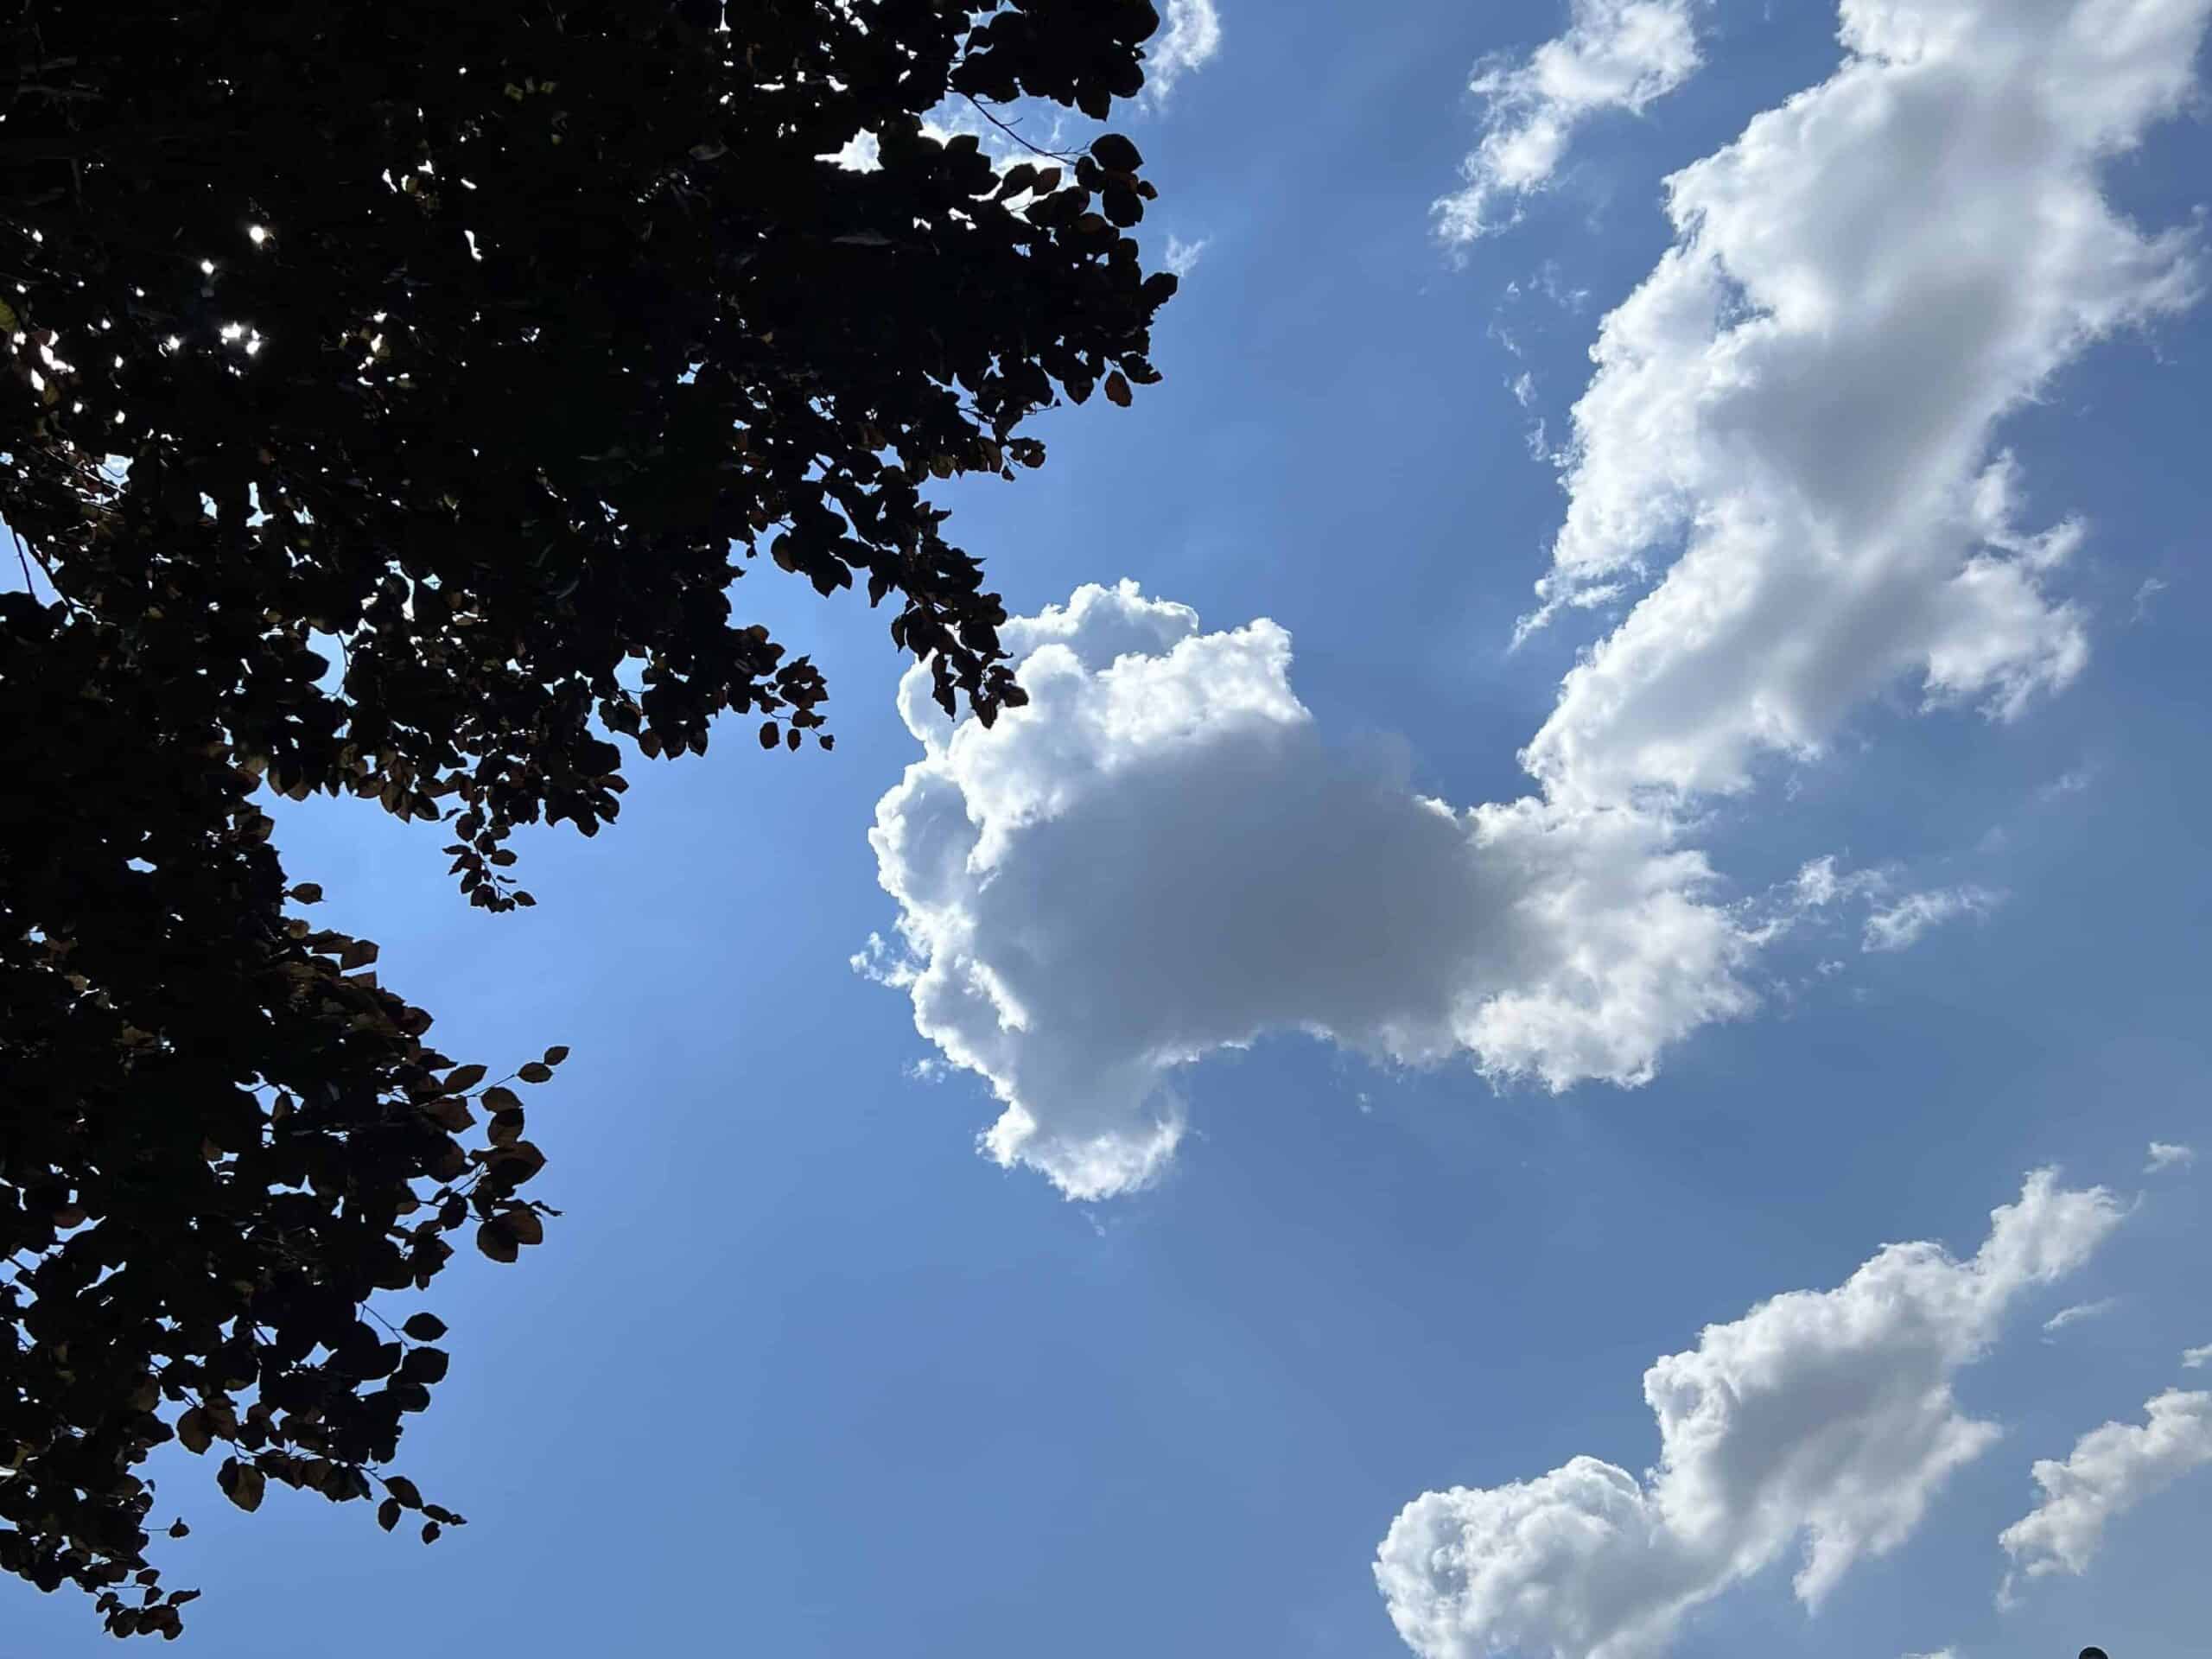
(392, 393)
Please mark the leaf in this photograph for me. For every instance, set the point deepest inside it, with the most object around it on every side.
(1116, 154)
(242, 1482)
(496, 1242)
(535, 1073)
(769, 736)
(555, 1054)
(518, 1163)
(458, 539)
(1117, 389)
(178, 1529)
(430, 1531)
(449, 1113)
(388, 1514)
(424, 1327)
(193, 1430)
(404, 1490)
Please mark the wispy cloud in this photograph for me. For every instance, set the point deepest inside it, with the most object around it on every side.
(2067, 783)
(1901, 925)
(2077, 1314)
(1182, 257)
(1616, 54)
(1188, 38)
(2169, 1154)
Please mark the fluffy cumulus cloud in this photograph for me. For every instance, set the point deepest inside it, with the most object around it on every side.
(1161, 856)
(1189, 35)
(2111, 1470)
(1616, 54)
(1822, 1420)
(1797, 407)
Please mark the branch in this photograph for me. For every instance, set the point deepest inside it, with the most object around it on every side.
(1006, 128)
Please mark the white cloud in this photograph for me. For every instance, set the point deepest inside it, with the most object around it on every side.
(1160, 857)
(1900, 925)
(2111, 1470)
(1821, 1419)
(1616, 54)
(2072, 782)
(1182, 257)
(1940, 1653)
(1894, 920)
(2146, 594)
(2167, 1154)
(1819, 884)
(1188, 40)
(1802, 397)
(2195, 1359)
(2077, 1314)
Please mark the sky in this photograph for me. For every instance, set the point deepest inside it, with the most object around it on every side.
(1573, 1025)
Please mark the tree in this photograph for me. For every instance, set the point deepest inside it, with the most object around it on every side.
(397, 390)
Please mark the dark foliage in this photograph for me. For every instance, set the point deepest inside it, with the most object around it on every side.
(395, 391)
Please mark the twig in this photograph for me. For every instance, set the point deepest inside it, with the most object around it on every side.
(1006, 128)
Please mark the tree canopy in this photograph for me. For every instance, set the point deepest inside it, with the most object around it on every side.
(396, 393)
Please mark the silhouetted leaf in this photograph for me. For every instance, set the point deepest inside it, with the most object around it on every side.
(428, 534)
(242, 1484)
(497, 1242)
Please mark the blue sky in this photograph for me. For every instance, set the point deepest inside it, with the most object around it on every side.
(1415, 1134)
